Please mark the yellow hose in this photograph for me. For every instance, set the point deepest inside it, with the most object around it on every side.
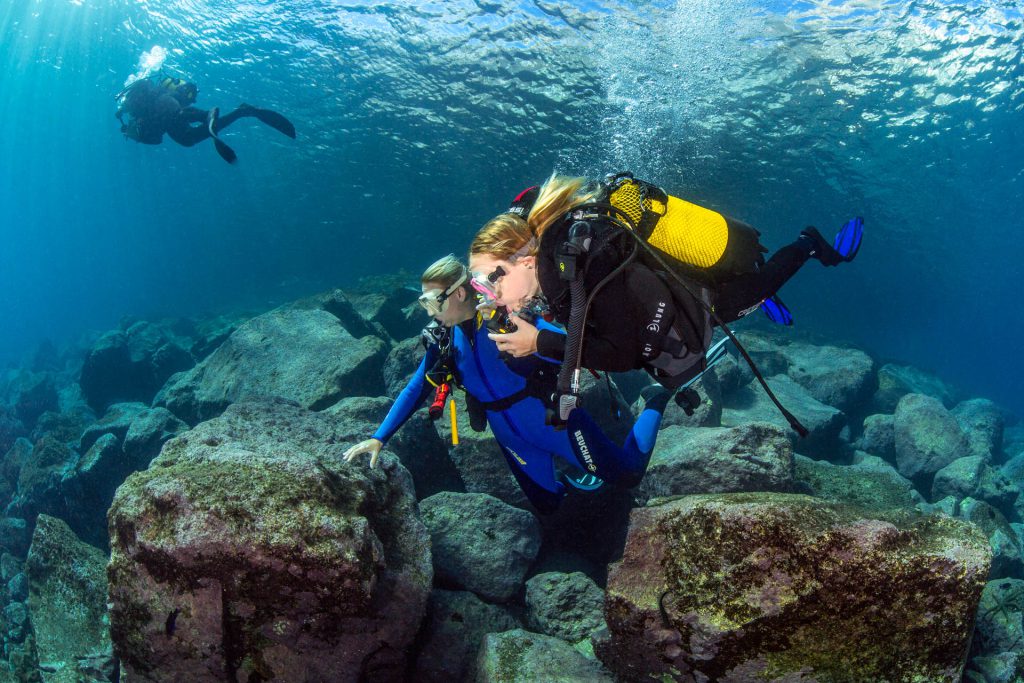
(455, 424)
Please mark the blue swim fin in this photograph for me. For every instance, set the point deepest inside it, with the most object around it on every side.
(847, 240)
(777, 311)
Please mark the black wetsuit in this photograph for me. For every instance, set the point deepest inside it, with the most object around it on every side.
(155, 110)
(629, 317)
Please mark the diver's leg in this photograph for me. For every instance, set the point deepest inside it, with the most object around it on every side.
(187, 135)
(535, 471)
(194, 115)
(743, 293)
(267, 116)
(597, 453)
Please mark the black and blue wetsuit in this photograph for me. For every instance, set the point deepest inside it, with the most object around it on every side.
(520, 428)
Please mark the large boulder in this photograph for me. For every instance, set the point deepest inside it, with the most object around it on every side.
(982, 424)
(131, 364)
(743, 587)
(752, 457)
(11, 428)
(519, 656)
(67, 598)
(456, 624)
(896, 381)
(1000, 626)
(878, 437)
(823, 422)
(926, 437)
(401, 363)
(567, 606)
(39, 481)
(480, 543)
(838, 377)
(306, 356)
(870, 482)
(116, 420)
(250, 550)
(34, 394)
(88, 488)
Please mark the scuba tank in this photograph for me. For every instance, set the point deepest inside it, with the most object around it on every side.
(691, 247)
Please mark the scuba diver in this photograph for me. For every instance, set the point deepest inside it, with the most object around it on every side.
(511, 396)
(155, 106)
(639, 278)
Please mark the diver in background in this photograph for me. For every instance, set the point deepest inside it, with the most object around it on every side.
(512, 395)
(155, 107)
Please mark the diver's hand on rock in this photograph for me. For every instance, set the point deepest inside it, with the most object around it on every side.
(520, 343)
(371, 446)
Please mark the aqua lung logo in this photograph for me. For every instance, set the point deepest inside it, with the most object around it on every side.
(659, 314)
(516, 456)
(584, 450)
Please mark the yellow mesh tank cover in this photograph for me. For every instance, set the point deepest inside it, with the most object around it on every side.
(686, 232)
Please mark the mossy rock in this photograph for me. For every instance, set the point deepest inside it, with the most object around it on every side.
(768, 586)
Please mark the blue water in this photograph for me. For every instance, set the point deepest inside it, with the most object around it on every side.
(419, 120)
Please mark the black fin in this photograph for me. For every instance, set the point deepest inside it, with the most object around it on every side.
(275, 121)
(225, 152)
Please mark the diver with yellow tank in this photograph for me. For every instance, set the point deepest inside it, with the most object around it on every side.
(164, 104)
(639, 278)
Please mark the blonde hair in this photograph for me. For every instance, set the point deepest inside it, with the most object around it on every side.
(444, 271)
(505, 235)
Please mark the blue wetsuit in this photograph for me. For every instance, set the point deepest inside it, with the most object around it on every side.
(528, 443)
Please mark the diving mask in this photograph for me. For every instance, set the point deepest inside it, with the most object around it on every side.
(484, 284)
(435, 301)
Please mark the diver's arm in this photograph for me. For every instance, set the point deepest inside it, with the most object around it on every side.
(411, 398)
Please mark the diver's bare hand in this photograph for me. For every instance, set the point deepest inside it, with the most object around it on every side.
(371, 446)
(522, 342)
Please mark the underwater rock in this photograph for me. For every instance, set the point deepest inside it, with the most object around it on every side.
(729, 587)
(1000, 668)
(305, 356)
(896, 381)
(68, 596)
(823, 422)
(567, 606)
(394, 308)
(17, 588)
(959, 478)
(1000, 625)
(34, 394)
(480, 543)
(116, 420)
(996, 489)
(707, 414)
(11, 428)
(249, 550)
(752, 457)
(131, 365)
(39, 481)
(926, 436)
(88, 488)
(1007, 555)
(14, 459)
(519, 656)
(982, 423)
(456, 624)
(14, 536)
(340, 305)
(402, 361)
(65, 427)
(481, 464)
(147, 433)
(878, 437)
(209, 333)
(870, 482)
(838, 377)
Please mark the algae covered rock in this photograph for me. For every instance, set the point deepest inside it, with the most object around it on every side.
(869, 483)
(567, 606)
(747, 587)
(750, 457)
(67, 596)
(456, 624)
(838, 377)
(926, 436)
(519, 656)
(896, 381)
(250, 551)
(480, 543)
(306, 356)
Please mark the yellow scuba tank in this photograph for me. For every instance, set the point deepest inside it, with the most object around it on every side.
(705, 244)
